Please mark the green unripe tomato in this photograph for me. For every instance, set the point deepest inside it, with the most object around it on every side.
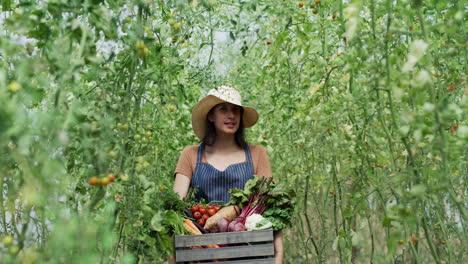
(13, 250)
(8, 241)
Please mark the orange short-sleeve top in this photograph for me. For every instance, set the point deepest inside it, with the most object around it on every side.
(188, 161)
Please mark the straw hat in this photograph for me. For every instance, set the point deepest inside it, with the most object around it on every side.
(216, 96)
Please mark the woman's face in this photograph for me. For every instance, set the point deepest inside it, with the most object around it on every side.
(226, 118)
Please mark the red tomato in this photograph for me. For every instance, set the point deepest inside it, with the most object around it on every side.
(216, 207)
(201, 222)
(111, 177)
(209, 206)
(202, 210)
(194, 208)
(197, 215)
(200, 206)
(211, 211)
(205, 217)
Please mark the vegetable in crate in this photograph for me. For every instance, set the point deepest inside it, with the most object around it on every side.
(273, 201)
(202, 213)
(257, 222)
(222, 224)
(228, 212)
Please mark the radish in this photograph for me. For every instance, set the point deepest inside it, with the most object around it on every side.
(237, 225)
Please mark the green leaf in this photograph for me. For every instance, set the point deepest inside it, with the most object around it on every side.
(171, 217)
(387, 221)
(156, 223)
(6, 5)
(418, 190)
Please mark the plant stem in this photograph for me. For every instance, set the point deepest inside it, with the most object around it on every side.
(306, 216)
(372, 238)
(335, 209)
(2, 207)
(429, 240)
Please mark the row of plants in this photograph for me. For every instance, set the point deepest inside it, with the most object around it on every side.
(370, 96)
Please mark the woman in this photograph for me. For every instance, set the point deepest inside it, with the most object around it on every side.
(223, 160)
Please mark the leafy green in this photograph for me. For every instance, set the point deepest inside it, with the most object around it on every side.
(280, 200)
(263, 224)
(280, 217)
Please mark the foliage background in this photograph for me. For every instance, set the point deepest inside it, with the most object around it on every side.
(363, 110)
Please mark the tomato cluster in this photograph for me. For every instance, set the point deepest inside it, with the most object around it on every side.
(104, 181)
(202, 213)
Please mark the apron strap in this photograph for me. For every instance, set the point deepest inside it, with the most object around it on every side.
(248, 155)
(200, 153)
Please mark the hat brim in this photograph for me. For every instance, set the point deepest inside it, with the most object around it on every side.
(249, 117)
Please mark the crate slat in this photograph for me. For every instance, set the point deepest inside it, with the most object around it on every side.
(224, 238)
(246, 261)
(225, 252)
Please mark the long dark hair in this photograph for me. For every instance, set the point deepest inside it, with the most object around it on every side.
(210, 132)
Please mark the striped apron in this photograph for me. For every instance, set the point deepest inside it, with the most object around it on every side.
(214, 185)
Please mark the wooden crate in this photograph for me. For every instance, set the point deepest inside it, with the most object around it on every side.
(249, 247)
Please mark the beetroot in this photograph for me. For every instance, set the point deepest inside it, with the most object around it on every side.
(223, 224)
(237, 225)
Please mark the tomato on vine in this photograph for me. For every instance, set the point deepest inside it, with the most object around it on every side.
(105, 181)
(94, 181)
(451, 87)
(8, 241)
(111, 177)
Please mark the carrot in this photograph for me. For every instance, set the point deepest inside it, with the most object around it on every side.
(194, 231)
(191, 227)
(211, 246)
